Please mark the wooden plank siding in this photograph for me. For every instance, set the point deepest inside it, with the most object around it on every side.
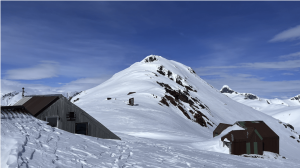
(271, 144)
(62, 106)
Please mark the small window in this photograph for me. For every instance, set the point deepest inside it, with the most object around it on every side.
(81, 128)
(71, 116)
(52, 121)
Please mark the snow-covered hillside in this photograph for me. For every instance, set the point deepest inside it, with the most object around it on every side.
(29, 142)
(157, 114)
(287, 110)
(170, 124)
(11, 98)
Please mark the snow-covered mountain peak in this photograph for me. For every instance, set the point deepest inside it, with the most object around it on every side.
(168, 83)
(151, 58)
(227, 89)
(296, 98)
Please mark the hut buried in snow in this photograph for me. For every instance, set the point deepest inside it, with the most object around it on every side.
(254, 139)
(59, 112)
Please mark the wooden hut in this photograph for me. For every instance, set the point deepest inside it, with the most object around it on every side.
(269, 137)
(220, 128)
(256, 138)
(59, 112)
(243, 142)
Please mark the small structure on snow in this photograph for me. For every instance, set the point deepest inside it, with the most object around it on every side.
(131, 101)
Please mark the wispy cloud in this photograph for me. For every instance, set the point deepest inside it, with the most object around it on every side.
(10, 86)
(293, 55)
(290, 64)
(47, 69)
(83, 84)
(287, 74)
(289, 34)
(76, 85)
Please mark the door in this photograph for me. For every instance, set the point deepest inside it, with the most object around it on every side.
(248, 147)
(255, 147)
(81, 128)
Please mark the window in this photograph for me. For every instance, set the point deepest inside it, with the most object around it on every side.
(71, 116)
(52, 121)
(81, 128)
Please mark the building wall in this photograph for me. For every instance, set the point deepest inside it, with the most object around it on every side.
(238, 148)
(62, 106)
(255, 138)
(271, 144)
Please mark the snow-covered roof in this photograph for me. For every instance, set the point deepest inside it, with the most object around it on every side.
(22, 101)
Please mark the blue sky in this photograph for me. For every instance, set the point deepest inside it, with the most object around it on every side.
(66, 46)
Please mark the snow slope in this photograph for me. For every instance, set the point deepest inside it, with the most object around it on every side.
(287, 110)
(29, 142)
(11, 98)
(170, 125)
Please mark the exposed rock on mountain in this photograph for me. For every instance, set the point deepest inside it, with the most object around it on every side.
(226, 89)
(296, 98)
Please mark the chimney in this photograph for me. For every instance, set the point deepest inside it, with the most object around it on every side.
(23, 92)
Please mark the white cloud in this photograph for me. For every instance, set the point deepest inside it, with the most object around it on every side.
(76, 85)
(287, 74)
(293, 55)
(10, 86)
(47, 69)
(83, 84)
(289, 34)
(290, 64)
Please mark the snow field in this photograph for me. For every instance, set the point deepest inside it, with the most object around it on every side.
(44, 146)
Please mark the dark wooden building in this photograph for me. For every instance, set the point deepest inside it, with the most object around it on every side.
(269, 137)
(256, 138)
(243, 142)
(59, 112)
(220, 128)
